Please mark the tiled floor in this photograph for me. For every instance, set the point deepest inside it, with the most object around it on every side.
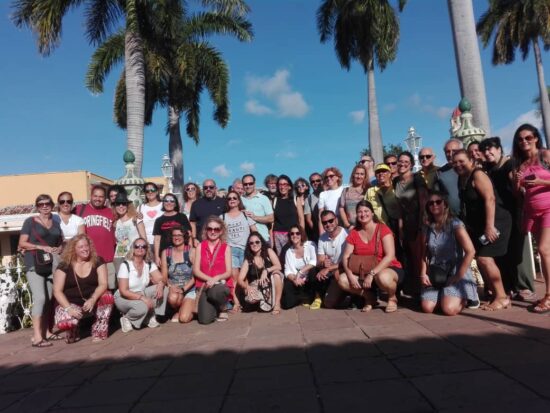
(300, 361)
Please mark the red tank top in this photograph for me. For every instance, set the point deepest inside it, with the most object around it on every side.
(213, 262)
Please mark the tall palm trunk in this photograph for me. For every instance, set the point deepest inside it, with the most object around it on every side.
(375, 135)
(175, 150)
(135, 95)
(468, 60)
(544, 101)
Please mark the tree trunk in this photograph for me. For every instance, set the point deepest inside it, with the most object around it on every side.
(375, 135)
(175, 150)
(135, 95)
(468, 60)
(544, 101)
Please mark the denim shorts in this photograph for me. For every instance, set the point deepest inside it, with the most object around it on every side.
(237, 257)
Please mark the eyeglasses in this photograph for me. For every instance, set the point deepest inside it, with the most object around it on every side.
(232, 198)
(527, 138)
(294, 233)
(254, 243)
(213, 229)
(150, 190)
(44, 204)
(435, 202)
(169, 201)
(65, 201)
(208, 187)
(140, 247)
(328, 221)
(391, 163)
(329, 176)
(425, 156)
(248, 183)
(315, 181)
(190, 189)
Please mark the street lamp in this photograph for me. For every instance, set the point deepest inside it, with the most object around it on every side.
(167, 171)
(414, 143)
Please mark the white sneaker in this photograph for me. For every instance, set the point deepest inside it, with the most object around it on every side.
(153, 323)
(126, 325)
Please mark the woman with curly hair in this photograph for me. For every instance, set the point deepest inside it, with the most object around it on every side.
(80, 288)
(212, 270)
(261, 266)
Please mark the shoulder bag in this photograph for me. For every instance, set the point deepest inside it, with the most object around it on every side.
(362, 264)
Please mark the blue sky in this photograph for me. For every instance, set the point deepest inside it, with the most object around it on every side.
(293, 109)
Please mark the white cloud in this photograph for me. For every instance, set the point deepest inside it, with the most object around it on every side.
(254, 107)
(222, 171)
(282, 99)
(417, 103)
(286, 154)
(506, 133)
(357, 116)
(233, 142)
(247, 167)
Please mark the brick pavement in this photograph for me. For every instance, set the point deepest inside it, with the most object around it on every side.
(301, 361)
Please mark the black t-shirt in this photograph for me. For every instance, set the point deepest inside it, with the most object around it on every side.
(164, 224)
(286, 214)
(53, 236)
(202, 208)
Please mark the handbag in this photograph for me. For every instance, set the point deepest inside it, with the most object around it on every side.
(42, 260)
(264, 295)
(362, 264)
(438, 275)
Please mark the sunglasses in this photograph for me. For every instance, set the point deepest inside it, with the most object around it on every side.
(435, 202)
(65, 201)
(121, 204)
(232, 198)
(169, 201)
(248, 183)
(315, 181)
(425, 156)
(301, 186)
(150, 190)
(190, 188)
(254, 243)
(293, 233)
(140, 247)
(366, 160)
(527, 138)
(44, 204)
(213, 229)
(391, 163)
(329, 177)
(208, 187)
(328, 221)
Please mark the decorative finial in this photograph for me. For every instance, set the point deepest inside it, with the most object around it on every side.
(465, 105)
(129, 157)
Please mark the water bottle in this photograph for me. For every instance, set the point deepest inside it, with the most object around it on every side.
(483, 239)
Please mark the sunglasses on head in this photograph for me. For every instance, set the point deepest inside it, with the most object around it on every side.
(208, 187)
(213, 229)
(257, 242)
(65, 201)
(328, 221)
(425, 156)
(150, 190)
(435, 202)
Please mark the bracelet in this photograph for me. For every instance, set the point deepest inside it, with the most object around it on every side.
(371, 273)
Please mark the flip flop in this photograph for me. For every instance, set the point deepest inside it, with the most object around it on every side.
(55, 337)
(42, 344)
(222, 317)
(392, 306)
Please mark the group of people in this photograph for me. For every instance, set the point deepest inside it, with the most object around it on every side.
(391, 232)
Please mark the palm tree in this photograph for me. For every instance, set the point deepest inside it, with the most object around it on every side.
(519, 24)
(468, 60)
(178, 67)
(366, 31)
(45, 18)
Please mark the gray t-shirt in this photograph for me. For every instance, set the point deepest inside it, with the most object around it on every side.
(238, 229)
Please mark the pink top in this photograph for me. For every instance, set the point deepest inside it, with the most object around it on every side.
(212, 262)
(537, 197)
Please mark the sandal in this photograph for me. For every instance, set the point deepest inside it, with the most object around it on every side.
(526, 295)
(316, 304)
(55, 337)
(42, 344)
(392, 305)
(497, 304)
(237, 309)
(543, 306)
(370, 301)
(222, 317)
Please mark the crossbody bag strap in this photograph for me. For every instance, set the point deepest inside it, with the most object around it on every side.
(78, 284)
(214, 255)
(36, 235)
(376, 240)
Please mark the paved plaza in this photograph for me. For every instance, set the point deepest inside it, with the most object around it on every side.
(300, 361)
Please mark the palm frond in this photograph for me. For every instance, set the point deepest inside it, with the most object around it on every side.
(106, 56)
(101, 18)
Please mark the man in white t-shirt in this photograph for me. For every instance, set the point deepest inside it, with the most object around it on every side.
(258, 207)
(329, 255)
(330, 197)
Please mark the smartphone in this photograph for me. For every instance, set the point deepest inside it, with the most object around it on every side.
(530, 177)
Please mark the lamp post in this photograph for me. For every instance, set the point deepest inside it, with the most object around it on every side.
(414, 143)
(167, 171)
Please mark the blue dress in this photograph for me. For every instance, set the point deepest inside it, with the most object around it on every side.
(444, 250)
